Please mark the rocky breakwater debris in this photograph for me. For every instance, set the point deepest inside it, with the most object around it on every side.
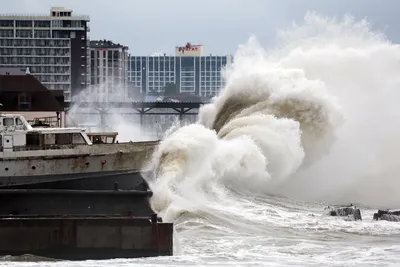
(386, 215)
(350, 212)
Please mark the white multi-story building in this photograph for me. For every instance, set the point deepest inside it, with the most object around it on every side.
(189, 70)
(108, 70)
(54, 47)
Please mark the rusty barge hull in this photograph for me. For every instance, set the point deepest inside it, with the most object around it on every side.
(127, 180)
(82, 224)
(52, 202)
(82, 238)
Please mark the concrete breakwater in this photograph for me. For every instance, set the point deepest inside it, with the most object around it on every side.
(352, 213)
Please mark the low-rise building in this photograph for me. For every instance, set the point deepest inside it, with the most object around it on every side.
(25, 95)
(108, 70)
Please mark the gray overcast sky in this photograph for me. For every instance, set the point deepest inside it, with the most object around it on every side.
(149, 26)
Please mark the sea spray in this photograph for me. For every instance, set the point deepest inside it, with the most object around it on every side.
(92, 117)
(360, 68)
(315, 118)
(265, 124)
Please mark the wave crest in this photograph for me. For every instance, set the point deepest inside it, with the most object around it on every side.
(277, 126)
(263, 127)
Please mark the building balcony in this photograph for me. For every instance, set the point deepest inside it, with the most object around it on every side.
(70, 28)
(52, 73)
(33, 55)
(8, 64)
(34, 46)
(32, 38)
(56, 82)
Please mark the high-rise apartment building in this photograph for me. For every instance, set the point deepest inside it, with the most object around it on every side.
(108, 69)
(189, 70)
(54, 47)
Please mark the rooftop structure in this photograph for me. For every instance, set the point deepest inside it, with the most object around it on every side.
(105, 44)
(189, 50)
(26, 93)
(55, 12)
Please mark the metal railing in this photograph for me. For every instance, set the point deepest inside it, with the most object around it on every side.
(45, 147)
(41, 16)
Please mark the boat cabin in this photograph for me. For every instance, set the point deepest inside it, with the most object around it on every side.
(16, 134)
(102, 137)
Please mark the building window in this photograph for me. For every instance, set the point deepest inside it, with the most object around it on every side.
(24, 23)
(24, 101)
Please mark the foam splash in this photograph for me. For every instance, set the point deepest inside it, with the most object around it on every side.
(277, 127)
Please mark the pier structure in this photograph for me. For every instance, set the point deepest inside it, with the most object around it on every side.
(153, 115)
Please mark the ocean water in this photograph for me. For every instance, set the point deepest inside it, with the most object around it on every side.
(306, 124)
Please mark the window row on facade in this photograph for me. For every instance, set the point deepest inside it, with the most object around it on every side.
(31, 43)
(58, 86)
(167, 63)
(111, 55)
(50, 70)
(61, 61)
(32, 34)
(54, 78)
(184, 76)
(41, 23)
(61, 52)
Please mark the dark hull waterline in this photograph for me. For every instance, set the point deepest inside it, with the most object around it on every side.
(130, 179)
